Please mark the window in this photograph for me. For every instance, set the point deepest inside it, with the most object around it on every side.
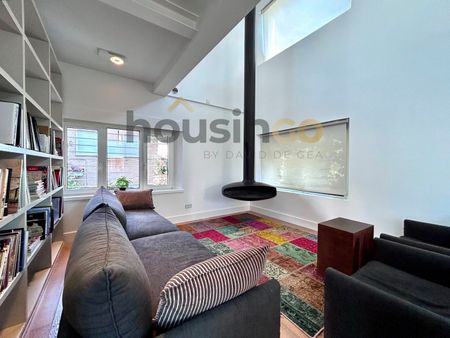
(123, 156)
(82, 162)
(285, 22)
(157, 162)
(312, 158)
(98, 154)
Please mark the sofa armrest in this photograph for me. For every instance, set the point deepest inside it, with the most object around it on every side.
(255, 313)
(355, 309)
(417, 244)
(422, 263)
(427, 232)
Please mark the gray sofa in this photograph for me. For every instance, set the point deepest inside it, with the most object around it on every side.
(120, 262)
(403, 292)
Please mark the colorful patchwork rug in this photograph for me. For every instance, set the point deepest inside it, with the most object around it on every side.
(291, 260)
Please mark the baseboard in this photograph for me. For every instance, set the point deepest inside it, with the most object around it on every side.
(207, 214)
(285, 217)
(68, 237)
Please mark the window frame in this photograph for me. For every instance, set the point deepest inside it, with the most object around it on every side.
(170, 168)
(102, 178)
(86, 190)
(344, 121)
(263, 48)
(140, 152)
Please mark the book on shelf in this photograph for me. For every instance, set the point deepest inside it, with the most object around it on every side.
(58, 146)
(43, 217)
(55, 143)
(40, 221)
(5, 180)
(45, 139)
(33, 133)
(57, 177)
(57, 205)
(12, 255)
(10, 126)
(37, 177)
(37, 137)
(12, 198)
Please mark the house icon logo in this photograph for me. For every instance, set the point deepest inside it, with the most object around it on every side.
(182, 102)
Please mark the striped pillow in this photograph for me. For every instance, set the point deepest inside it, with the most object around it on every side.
(208, 284)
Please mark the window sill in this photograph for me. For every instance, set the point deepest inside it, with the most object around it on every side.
(312, 194)
(85, 197)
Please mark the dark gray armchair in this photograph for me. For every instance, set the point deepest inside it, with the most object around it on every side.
(423, 235)
(403, 292)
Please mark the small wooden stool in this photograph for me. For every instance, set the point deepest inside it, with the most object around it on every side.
(344, 244)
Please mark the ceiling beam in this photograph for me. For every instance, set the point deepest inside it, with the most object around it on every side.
(158, 14)
(220, 18)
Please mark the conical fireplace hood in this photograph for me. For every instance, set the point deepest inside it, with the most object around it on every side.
(248, 189)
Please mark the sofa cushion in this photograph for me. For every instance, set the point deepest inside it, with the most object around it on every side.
(104, 197)
(167, 254)
(136, 199)
(144, 223)
(431, 296)
(106, 288)
(208, 284)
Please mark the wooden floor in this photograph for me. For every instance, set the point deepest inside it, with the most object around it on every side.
(40, 323)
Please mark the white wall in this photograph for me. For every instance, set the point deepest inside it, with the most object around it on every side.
(384, 64)
(219, 78)
(99, 97)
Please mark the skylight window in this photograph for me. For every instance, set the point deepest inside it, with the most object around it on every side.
(285, 22)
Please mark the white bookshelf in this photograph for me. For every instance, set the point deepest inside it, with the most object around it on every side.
(30, 75)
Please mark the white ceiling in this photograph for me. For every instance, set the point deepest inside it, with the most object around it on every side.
(163, 40)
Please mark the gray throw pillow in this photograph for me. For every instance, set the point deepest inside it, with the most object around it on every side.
(106, 288)
(104, 197)
(208, 284)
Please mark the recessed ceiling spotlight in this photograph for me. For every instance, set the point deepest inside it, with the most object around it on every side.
(115, 58)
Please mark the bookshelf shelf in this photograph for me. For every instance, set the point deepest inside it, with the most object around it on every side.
(34, 67)
(55, 94)
(30, 75)
(35, 109)
(5, 293)
(57, 125)
(36, 202)
(36, 251)
(8, 219)
(12, 150)
(8, 84)
(8, 20)
(5, 148)
(41, 154)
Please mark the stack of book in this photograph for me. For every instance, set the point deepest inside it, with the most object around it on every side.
(12, 255)
(10, 182)
(37, 181)
(10, 126)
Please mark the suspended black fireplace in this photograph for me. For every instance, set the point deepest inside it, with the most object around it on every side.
(248, 189)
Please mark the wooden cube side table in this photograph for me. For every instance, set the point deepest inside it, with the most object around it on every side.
(344, 244)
